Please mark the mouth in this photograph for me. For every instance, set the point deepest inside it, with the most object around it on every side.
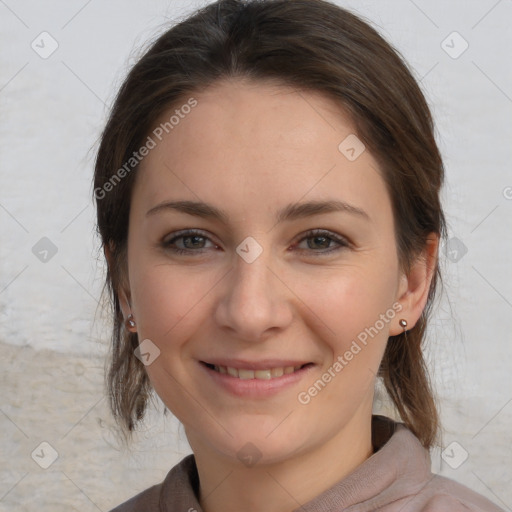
(260, 374)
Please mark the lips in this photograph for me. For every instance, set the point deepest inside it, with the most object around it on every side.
(249, 380)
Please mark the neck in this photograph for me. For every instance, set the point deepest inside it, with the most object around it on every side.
(226, 485)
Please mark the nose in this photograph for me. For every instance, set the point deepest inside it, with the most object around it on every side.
(254, 302)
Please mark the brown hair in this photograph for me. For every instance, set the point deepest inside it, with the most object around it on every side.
(311, 45)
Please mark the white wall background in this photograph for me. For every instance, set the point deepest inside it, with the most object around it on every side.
(52, 335)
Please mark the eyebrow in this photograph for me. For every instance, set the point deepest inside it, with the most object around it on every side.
(290, 212)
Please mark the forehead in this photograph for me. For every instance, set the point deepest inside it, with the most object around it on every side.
(249, 143)
(241, 115)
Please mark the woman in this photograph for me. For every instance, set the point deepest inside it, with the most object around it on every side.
(267, 191)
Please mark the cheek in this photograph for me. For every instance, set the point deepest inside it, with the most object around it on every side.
(166, 299)
(350, 308)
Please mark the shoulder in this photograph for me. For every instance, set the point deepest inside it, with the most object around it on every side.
(178, 491)
(415, 488)
(441, 494)
(147, 500)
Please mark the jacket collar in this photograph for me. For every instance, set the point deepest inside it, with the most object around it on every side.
(399, 465)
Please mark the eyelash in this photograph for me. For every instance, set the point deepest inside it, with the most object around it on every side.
(343, 243)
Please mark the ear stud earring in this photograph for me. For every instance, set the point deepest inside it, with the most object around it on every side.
(403, 324)
(130, 322)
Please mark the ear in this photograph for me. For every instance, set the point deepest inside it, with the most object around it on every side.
(124, 295)
(414, 288)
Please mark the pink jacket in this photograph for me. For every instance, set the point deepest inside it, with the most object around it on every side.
(396, 478)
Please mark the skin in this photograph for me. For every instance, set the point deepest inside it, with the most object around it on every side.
(251, 148)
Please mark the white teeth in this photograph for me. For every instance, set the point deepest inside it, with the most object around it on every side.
(266, 374)
(277, 372)
(232, 371)
(263, 374)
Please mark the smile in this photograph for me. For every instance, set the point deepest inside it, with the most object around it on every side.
(264, 374)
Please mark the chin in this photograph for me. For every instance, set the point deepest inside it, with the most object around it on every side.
(260, 445)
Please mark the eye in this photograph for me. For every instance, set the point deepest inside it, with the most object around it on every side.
(322, 239)
(193, 242)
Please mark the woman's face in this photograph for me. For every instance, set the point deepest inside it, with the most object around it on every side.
(255, 288)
